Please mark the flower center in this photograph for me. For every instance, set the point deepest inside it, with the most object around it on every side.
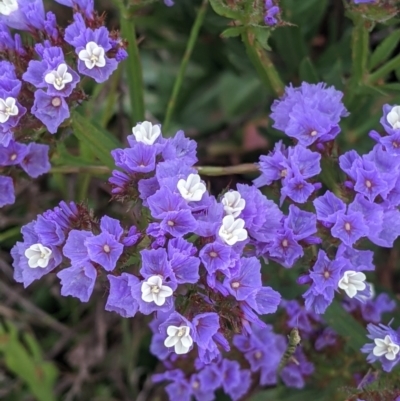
(171, 223)
(313, 133)
(106, 248)
(155, 289)
(56, 102)
(235, 284)
(13, 156)
(347, 226)
(181, 332)
(285, 243)
(196, 384)
(395, 144)
(213, 254)
(258, 355)
(326, 274)
(368, 184)
(284, 173)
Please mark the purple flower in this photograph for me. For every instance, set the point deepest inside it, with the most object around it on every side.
(270, 11)
(326, 338)
(181, 149)
(205, 325)
(326, 273)
(104, 249)
(309, 113)
(36, 161)
(318, 299)
(75, 248)
(385, 347)
(303, 224)
(297, 189)
(179, 223)
(50, 110)
(7, 195)
(246, 281)
(78, 281)
(216, 257)
(120, 298)
(12, 154)
(285, 248)
(91, 47)
(140, 159)
(369, 183)
(87, 6)
(349, 227)
(165, 201)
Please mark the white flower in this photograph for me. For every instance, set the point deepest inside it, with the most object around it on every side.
(233, 203)
(232, 230)
(146, 132)
(38, 255)
(351, 282)
(154, 291)
(371, 293)
(191, 189)
(93, 55)
(8, 108)
(386, 347)
(59, 77)
(179, 338)
(393, 117)
(8, 6)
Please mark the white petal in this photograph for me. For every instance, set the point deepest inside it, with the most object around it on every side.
(171, 341)
(172, 330)
(390, 356)
(50, 78)
(84, 55)
(165, 291)
(359, 276)
(148, 297)
(379, 351)
(187, 341)
(351, 291)
(159, 300)
(155, 280)
(180, 349)
(381, 343)
(67, 78)
(359, 285)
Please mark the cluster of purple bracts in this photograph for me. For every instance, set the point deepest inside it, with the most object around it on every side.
(39, 85)
(195, 264)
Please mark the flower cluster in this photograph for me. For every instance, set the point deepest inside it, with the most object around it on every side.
(39, 85)
(194, 264)
(271, 10)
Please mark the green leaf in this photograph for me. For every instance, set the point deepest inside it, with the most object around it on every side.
(346, 326)
(222, 9)
(285, 394)
(308, 72)
(101, 141)
(262, 35)
(384, 49)
(232, 32)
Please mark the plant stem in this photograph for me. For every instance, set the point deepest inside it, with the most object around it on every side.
(194, 33)
(246, 168)
(262, 63)
(133, 68)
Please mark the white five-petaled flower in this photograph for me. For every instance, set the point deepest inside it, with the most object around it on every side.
(8, 6)
(233, 203)
(352, 282)
(92, 55)
(154, 291)
(191, 189)
(146, 132)
(232, 230)
(179, 338)
(38, 255)
(59, 77)
(386, 347)
(393, 117)
(8, 108)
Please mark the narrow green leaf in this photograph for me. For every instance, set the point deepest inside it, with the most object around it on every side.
(384, 49)
(307, 71)
(100, 140)
(232, 32)
(345, 325)
(262, 35)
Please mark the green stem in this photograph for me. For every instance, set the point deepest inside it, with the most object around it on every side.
(133, 68)
(194, 33)
(246, 168)
(262, 63)
(391, 65)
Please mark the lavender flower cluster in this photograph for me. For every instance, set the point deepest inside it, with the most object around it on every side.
(39, 85)
(195, 266)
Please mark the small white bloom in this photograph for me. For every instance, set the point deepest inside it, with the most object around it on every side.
(179, 338)
(351, 282)
(8, 108)
(38, 255)
(191, 189)
(59, 77)
(232, 230)
(92, 55)
(8, 6)
(154, 291)
(233, 203)
(146, 132)
(393, 117)
(386, 347)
